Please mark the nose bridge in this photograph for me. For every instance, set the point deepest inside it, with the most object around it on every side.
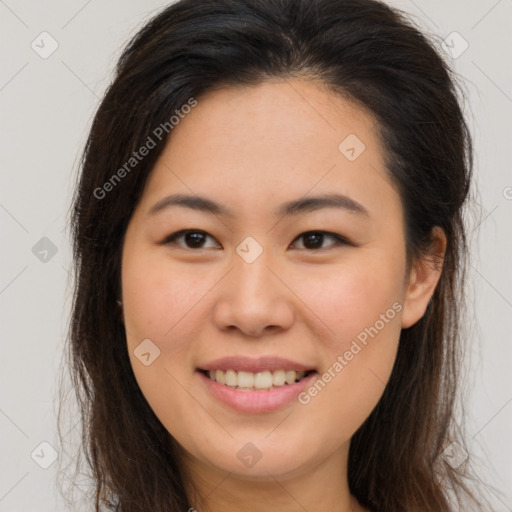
(253, 298)
(252, 277)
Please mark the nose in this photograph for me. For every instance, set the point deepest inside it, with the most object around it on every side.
(253, 298)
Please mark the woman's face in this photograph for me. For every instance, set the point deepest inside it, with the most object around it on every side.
(261, 285)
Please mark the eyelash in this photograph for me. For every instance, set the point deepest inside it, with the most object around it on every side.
(340, 240)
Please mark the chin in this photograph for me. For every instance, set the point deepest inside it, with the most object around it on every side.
(257, 460)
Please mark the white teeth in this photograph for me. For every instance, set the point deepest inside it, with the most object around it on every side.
(220, 377)
(279, 377)
(290, 377)
(230, 378)
(262, 380)
(245, 379)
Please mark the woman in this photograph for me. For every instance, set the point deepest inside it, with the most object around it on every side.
(269, 255)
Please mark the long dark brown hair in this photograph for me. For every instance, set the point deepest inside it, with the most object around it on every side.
(367, 52)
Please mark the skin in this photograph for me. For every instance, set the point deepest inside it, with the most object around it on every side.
(251, 149)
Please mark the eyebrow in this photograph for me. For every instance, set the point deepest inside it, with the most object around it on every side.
(296, 207)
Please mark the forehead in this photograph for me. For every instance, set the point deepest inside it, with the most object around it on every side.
(259, 146)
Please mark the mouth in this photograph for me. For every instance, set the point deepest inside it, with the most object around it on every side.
(265, 380)
(255, 385)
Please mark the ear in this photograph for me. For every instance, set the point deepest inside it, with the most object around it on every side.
(423, 279)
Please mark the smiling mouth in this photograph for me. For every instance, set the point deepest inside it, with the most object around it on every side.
(260, 381)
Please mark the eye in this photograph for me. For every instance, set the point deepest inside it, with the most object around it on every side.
(314, 240)
(193, 238)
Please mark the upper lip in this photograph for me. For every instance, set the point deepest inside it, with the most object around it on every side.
(255, 365)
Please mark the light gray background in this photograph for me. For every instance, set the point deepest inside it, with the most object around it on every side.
(46, 110)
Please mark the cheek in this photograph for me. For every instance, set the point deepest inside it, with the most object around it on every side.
(350, 298)
(362, 310)
(157, 305)
(157, 297)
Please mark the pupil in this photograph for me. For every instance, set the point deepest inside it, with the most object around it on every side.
(317, 240)
(194, 238)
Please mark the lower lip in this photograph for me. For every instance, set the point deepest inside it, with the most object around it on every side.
(256, 401)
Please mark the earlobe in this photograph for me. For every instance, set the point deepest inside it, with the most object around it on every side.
(423, 280)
